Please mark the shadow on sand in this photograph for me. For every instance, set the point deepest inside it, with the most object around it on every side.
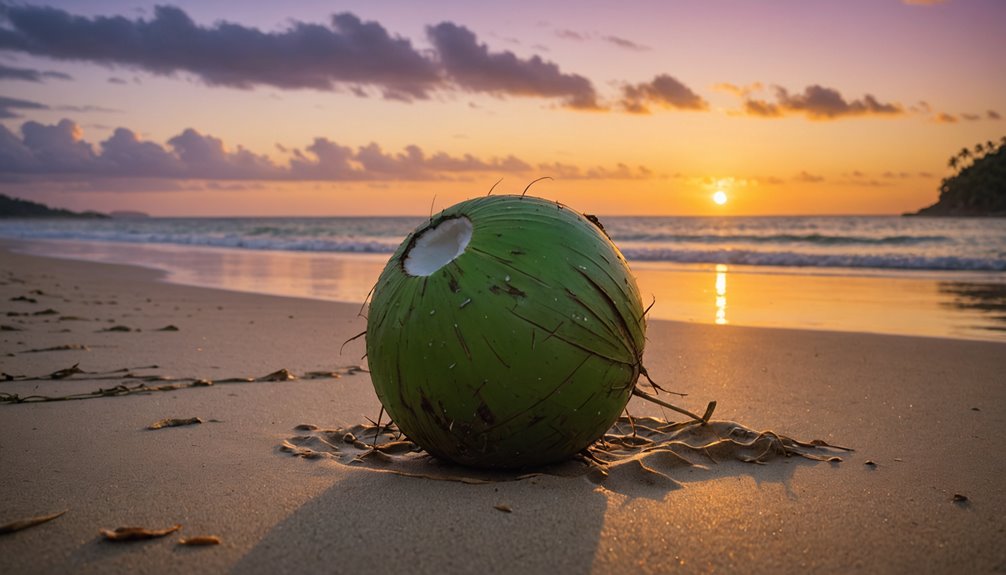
(546, 520)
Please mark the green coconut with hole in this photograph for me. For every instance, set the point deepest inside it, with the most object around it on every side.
(506, 331)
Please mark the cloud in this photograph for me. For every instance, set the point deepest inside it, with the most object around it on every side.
(618, 41)
(621, 171)
(741, 91)
(30, 75)
(626, 44)
(44, 152)
(664, 91)
(807, 177)
(301, 56)
(945, 118)
(923, 2)
(473, 67)
(8, 107)
(819, 103)
(345, 53)
(993, 115)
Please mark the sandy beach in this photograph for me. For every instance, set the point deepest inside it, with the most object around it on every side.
(927, 412)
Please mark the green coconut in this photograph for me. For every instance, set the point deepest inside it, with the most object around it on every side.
(506, 331)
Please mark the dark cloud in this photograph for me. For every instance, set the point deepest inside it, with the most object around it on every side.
(115, 80)
(664, 91)
(30, 75)
(819, 103)
(8, 107)
(472, 66)
(993, 115)
(301, 56)
(48, 152)
(347, 53)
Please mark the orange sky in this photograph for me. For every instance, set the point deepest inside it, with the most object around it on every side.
(790, 107)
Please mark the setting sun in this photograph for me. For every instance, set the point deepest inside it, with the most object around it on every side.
(720, 197)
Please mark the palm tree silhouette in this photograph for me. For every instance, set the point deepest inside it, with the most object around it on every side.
(952, 163)
(979, 149)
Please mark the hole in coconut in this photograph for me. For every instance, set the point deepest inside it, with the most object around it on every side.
(438, 246)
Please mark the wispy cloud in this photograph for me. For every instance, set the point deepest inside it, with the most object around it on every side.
(664, 91)
(9, 107)
(43, 151)
(819, 103)
(617, 41)
(30, 74)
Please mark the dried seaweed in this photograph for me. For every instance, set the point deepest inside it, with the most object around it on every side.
(141, 383)
(66, 347)
(200, 540)
(174, 423)
(116, 328)
(503, 507)
(27, 522)
(137, 533)
(168, 328)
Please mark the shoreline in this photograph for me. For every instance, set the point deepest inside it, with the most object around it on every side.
(928, 304)
(904, 403)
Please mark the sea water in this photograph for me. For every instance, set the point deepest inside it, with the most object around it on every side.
(920, 276)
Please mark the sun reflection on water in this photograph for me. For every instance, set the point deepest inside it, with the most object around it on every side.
(721, 294)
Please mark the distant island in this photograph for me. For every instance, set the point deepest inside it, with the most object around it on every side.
(17, 208)
(977, 188)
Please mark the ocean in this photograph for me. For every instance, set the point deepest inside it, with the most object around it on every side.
(790, 267)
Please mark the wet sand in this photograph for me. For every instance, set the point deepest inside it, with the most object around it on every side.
(926, 411)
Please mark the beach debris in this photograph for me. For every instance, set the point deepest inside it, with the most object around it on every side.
(503, 507)
(137, 533)
(65, 347)
(48, 311)
(975, 409)
(6, 327)
(174, 423)
(142, 387)
(279, 375)
(116, 328)
(25, 299)
(66, 372)
(168, 328)
(557, 289)
(72, 318)
(870, 463)
(958, 498)
(27, 522)
(200, 540)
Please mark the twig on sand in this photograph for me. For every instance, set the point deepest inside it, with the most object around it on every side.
(704, 418)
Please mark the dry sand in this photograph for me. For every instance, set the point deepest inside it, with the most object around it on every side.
(928, 412)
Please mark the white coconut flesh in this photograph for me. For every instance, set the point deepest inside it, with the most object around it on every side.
(438, 246)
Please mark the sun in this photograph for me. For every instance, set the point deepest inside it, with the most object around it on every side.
(720, 197)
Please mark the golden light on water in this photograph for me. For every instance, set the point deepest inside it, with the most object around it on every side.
(720, 197)
(720, 295)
